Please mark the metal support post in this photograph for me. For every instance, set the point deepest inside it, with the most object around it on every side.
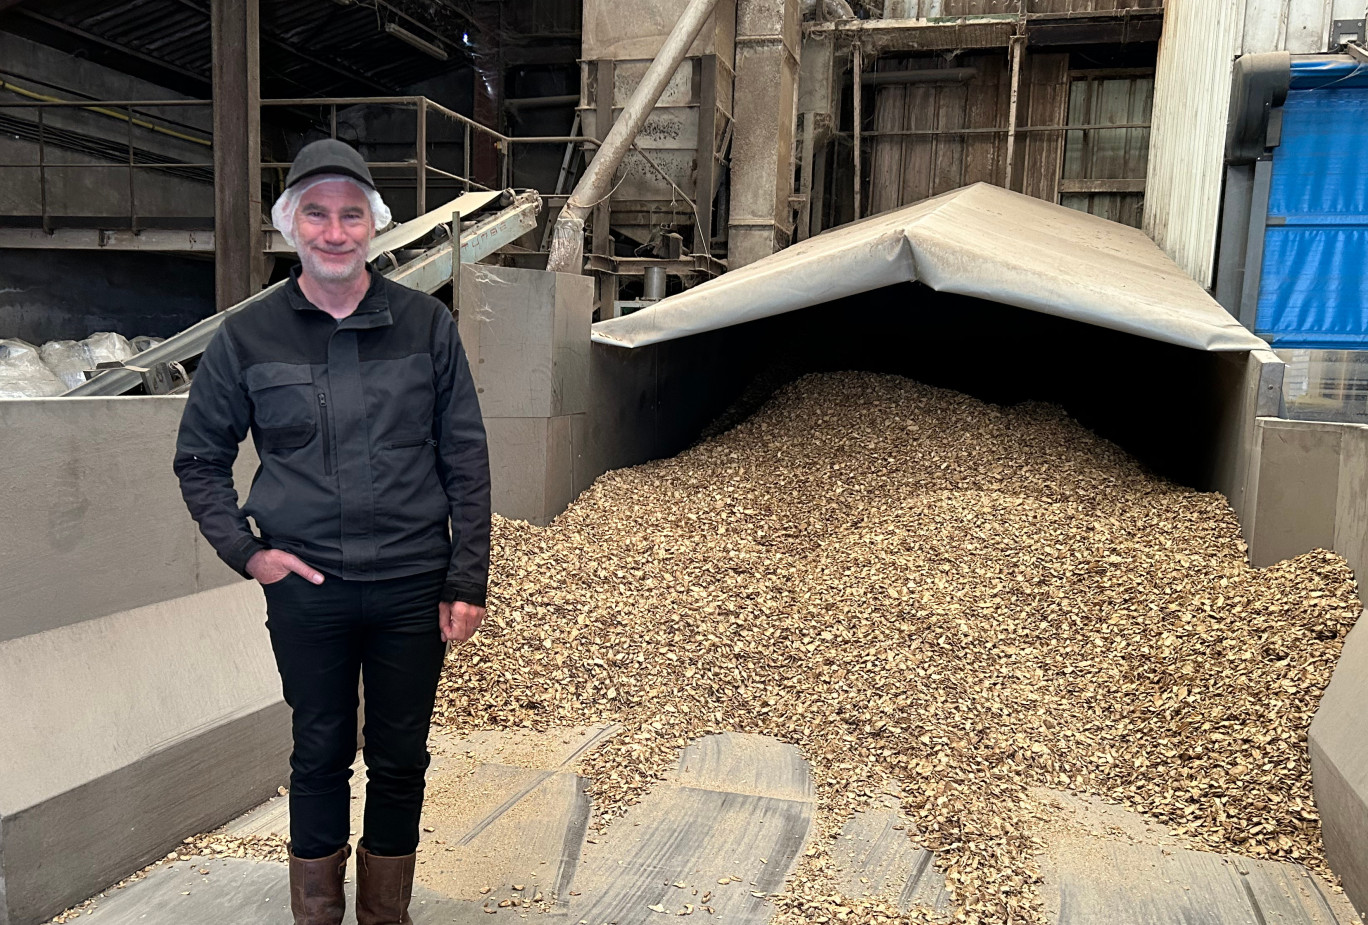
(600, 243)
(421, 144)
(1018, 51)
(456, 264)
(857, 114)
(42, 175)
(1254, 241)
(706, 155)
(132, 193)
(465, 167)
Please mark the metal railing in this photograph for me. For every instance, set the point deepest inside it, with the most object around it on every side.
(134, 157)
(131, 157)
(423, 169)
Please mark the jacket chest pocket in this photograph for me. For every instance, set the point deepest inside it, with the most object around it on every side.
(283, 398)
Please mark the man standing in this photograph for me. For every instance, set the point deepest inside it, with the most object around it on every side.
(360, 403)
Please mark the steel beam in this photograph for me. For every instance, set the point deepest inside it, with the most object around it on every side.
(93, 239)
(238, 267)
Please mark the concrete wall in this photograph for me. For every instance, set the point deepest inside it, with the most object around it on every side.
(1246, 386)
(526, 333)
(1307, 488)
(138, 696)
(1339, 766)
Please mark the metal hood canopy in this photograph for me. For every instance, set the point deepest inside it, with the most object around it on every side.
(980, 241)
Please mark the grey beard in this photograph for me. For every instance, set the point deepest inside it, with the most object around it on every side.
(320, 270)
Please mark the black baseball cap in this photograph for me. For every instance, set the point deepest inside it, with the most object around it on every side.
(328, 156)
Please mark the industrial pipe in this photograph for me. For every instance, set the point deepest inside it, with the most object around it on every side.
(567, 239)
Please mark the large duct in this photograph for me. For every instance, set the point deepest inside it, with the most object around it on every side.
(567, 239)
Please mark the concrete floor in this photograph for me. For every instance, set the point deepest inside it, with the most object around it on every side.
(506, 819)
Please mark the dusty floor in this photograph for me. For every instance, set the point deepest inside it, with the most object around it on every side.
(957, 638)
(505, 832)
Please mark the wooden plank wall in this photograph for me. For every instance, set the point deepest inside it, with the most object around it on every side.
(908, 169)
(1109, 154)
(1045, 82)
(911, 168)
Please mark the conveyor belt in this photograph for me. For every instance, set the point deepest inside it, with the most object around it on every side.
(427, 271)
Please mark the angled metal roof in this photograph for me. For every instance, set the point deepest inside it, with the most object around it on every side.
(318, 46)
(980, 241)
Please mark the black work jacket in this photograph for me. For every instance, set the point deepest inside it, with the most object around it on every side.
(369, 434)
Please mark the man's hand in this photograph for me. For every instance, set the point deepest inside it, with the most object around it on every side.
(459, 621)
(270, 565)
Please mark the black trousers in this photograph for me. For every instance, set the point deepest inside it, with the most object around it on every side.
(325, 637)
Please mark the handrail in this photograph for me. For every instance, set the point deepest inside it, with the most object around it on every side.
(149, 159)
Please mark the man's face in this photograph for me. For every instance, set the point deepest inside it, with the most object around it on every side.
(333, 230)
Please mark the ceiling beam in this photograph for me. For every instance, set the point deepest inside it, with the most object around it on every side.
(272, 40)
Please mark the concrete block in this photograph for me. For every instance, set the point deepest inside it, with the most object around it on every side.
(1339, 766)
(94, 519)
(1297, 490)
(126, 733)
(526, 333)
(533, 464)
(1246, 386)
(573, 318)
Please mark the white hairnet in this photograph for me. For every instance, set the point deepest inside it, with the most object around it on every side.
(283, 212)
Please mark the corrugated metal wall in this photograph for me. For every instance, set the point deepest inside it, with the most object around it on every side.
(1201, 40)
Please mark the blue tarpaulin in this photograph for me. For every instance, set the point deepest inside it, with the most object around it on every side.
(1313, 291)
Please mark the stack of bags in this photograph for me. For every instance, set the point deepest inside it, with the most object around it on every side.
(27, 371)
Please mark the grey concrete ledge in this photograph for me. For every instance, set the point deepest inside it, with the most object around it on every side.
(1339, 766)
(124, 734)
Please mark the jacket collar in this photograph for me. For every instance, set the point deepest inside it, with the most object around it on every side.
(373, 312)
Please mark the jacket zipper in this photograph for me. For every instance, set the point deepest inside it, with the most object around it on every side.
(327, 433)
(410, 443)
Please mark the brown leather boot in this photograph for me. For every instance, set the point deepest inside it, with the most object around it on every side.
(384, 887)
(316, 896)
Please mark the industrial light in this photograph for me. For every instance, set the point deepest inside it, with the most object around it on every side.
(403, 35)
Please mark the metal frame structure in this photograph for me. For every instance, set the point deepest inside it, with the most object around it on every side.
(133, 112)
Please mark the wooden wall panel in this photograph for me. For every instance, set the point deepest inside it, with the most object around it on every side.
(909, 168)
(987, 107)
(1045, 85)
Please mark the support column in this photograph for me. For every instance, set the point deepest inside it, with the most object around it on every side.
(768, 42)
(238, 262)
